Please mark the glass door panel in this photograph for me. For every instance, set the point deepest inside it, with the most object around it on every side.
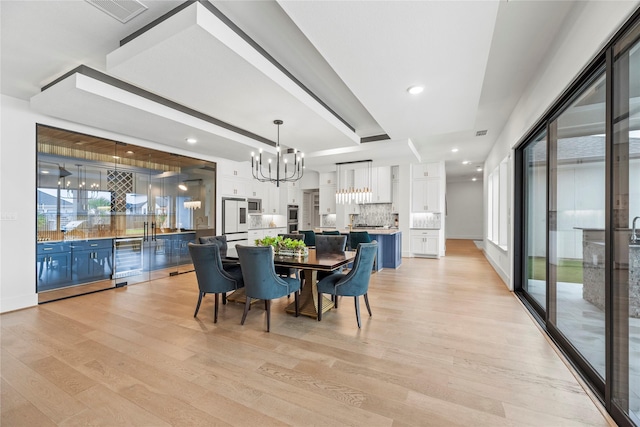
(535, 220)
(626, 225)
(577, 224)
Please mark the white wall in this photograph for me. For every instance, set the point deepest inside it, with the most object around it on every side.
(465, 217)
(588, 28)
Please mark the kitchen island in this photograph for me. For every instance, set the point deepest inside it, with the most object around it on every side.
(389, 244)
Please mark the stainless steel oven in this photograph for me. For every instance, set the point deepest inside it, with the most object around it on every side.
(292, 218)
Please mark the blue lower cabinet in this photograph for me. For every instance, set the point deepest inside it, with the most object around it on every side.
(53, 265)
(92, 260)
(185, 239)
(389, 250)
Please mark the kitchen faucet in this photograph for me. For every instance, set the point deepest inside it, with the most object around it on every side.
(634, 235)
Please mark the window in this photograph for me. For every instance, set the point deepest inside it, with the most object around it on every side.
(497, 208)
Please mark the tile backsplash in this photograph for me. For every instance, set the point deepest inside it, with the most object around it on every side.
(328, 220)
(267, 221)
(426, 220)
(375, 214)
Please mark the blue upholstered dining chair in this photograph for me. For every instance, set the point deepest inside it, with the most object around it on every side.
(331, 232)
(261, 280)
(357, 237)
(212, 278)
(221, 241)
(309, 237)
(330, 244)
(355, 282)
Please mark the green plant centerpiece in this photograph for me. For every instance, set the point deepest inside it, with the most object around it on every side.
(283, 246)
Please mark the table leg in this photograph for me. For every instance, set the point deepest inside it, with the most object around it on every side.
(309, 297)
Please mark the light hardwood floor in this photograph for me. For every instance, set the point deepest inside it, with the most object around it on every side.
(447, 345)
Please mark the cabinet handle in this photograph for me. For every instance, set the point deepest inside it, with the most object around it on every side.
(94, 244)
(48, 249)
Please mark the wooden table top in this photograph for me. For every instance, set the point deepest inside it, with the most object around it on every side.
(313, 261)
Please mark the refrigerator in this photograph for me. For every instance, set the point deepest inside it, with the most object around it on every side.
(235, 221)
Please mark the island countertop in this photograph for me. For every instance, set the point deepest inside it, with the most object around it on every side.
(385, 231)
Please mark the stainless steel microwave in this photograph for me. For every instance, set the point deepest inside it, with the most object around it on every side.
(254, 205)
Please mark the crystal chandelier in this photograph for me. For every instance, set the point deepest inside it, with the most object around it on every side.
(347, 192)
(282, 171)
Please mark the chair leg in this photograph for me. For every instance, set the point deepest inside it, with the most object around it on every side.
(247, 306)
(267, 304)
(357, 310)
(224, 298)
(366, 301)
(215, 309)
(296, 295)
(200, 295)
(319, 306)
(335, 300)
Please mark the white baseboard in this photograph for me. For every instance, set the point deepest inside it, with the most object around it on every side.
(503, 274)
(18, 303)
(464, 237)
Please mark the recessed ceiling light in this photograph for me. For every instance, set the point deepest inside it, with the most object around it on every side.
(129, 152)
(454, 150)
(478, 169)
(466, 162)
(414, 90)
(192, 140)
(44, 172)
(474, 179)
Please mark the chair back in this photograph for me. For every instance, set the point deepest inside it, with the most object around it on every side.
(309, 237)
(331, 232)
(209, 272)
(221, 241)
(357, 237)
(258, 272)
(292, 236)
(327, 244)
(356, 281)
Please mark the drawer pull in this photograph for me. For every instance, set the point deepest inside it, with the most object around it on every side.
(48, 249)
(94, 244)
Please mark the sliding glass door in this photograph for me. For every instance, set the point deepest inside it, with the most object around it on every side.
(535, 221)
(577, 220)
(577, 241)
(625, 287)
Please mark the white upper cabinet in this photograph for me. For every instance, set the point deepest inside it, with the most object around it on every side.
(426, 190)
(426, 170)
(381, 183)
(235, 178)
(327, 193)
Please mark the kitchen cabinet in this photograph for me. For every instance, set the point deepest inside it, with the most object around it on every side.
(255, 235)
(425, 242)
(271, 203)
(234, 179)
(395, 195)
(381, 184)
(53, 265)
(233, 186)
(425, 195)
(327, 199)
(294, 194)
(92, 260)
(426, 170)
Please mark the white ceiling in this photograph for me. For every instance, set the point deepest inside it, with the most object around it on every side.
(474, 59)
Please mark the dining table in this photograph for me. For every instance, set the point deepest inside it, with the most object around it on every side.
(310, 264)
